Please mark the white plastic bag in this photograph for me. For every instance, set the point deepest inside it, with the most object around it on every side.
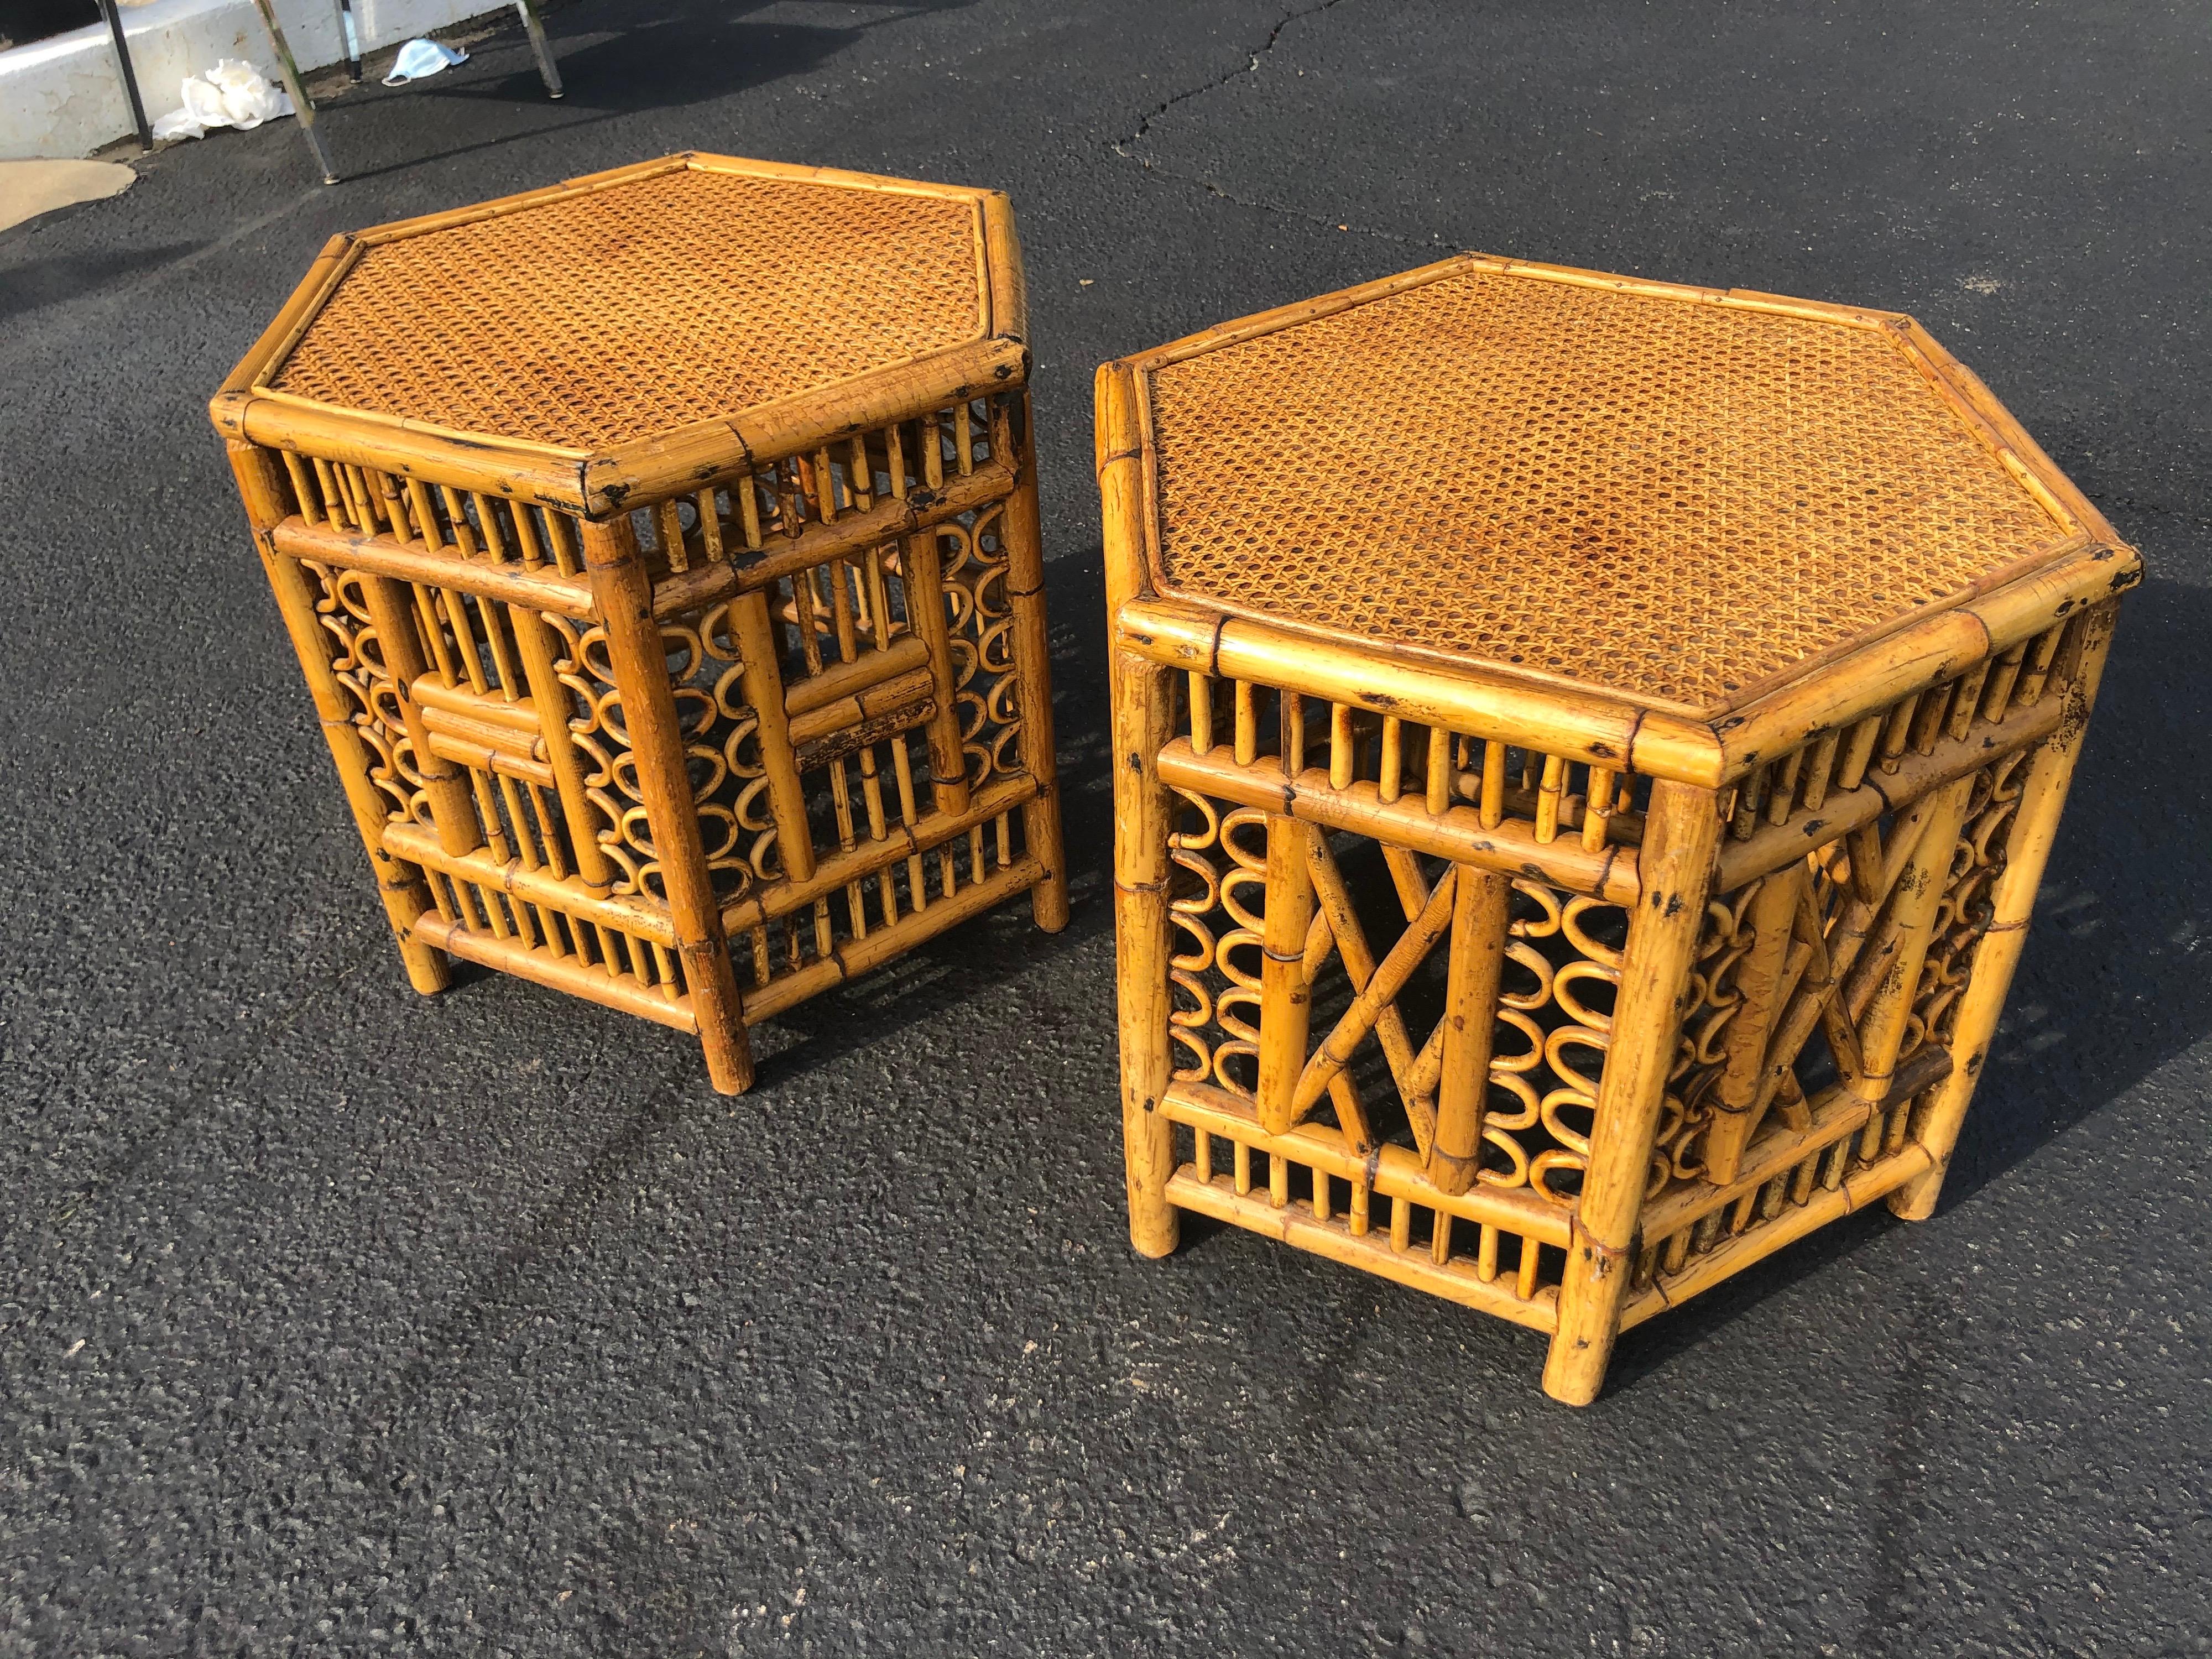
(231, 94)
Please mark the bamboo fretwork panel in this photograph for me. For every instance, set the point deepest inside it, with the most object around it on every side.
(1799, 955)
(1331, 973)
(866, 595)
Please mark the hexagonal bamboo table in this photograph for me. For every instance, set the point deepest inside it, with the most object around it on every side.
(1542, 702)
(661, 551)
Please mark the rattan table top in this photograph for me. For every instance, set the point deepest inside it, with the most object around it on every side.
(584, 318)
(1674, 494)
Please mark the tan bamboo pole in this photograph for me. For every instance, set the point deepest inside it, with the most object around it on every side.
(1509, 847)
(761, 680)
(1025, 546)
(1285, 996)
(1573, 724)
(1918, 896)
(716, 450)
(565, 975)
(533, 639)
(854, 531)
(1143, 716)
(923, 569)
(1480, 899)
(529, 472)
(1937, 1121)
(546, 590)
(1681, 838)
(639, 914)
(405, 893)
(641, 664)
(453, 802)
(1143, 704)
(1773, 917)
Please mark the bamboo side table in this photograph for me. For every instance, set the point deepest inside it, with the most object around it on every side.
(1585, 750)
(661, 551)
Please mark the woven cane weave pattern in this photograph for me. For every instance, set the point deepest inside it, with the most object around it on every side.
(1667, 500)
(618, 313)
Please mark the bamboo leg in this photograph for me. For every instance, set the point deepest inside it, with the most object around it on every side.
(1285, 996)
(1479, 901)
(1143, 712)
(1143, 721)
(624, 598)
(1033, 669)
(405, 892)
(1936, 1122)
(1682, 837)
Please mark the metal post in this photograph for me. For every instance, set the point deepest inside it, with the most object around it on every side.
(109, 10)
(530, 21)
(303, 107)
(349, 36)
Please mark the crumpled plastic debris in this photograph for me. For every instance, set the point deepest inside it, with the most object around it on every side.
(231, 94)
(419, 59)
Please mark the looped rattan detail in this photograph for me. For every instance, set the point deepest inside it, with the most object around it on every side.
(601, 316)
(1677, 497)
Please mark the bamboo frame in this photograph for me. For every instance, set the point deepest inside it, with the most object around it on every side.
(634, 722)
(1812, 854)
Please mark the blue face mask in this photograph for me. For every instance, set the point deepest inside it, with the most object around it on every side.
(418, 59)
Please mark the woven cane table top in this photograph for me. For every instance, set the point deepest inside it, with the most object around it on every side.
(1674, 496)
(609, 312)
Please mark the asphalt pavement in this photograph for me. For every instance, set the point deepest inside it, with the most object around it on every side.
(336, 1320)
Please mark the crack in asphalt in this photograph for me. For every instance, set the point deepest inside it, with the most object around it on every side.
(1251, 66)
(1123, 146)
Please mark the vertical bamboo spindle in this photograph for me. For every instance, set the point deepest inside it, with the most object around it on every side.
(1143, 714)
(1758, 979)
(924, 608)
(761, 681)
(533, 639)
(1033, 672)
(453, 802)
(1285, 994)
(1439, 771)
(1936, 1120)
(1913, 905)
(1480, 905)
(405, 894)
(624, 598)
(1681, 835)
